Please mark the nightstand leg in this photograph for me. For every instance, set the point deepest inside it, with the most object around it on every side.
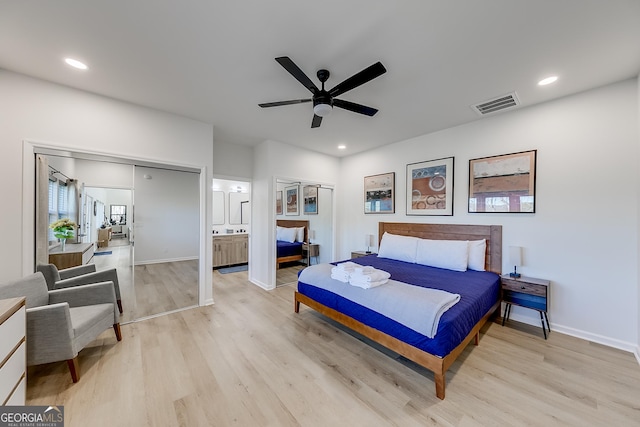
(544, 329)
(507, 311)
(547, 320)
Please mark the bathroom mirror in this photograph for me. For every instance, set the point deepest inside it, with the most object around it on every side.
(239, 208)
(218, 208)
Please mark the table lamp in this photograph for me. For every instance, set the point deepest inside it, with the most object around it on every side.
(369, 242)
(515, 257)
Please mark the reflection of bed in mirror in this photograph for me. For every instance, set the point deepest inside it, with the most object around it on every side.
(479, 297)
(287, 251)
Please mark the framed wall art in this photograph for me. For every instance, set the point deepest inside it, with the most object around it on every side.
(278, 202)
(430, 187)
(505, 183)
(291, 194)
(380, 193)
(310, 197)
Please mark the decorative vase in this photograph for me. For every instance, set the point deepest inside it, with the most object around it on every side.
(63, 243)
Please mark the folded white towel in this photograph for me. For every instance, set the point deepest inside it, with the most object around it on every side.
(366, 284)
(347, 266)
(341, 276)
(374, 276)
(363, 269)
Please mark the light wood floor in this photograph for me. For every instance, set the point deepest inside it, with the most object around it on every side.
(250, 361)
(150, 289)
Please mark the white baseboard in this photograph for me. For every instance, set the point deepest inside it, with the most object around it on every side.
(599, 339)
(160, 261)
(261, 285)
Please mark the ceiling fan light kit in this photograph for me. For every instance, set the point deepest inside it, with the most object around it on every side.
(323, 100)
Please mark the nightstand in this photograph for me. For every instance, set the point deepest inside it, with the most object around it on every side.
(310, 250)
(526, 292)
(358, 254)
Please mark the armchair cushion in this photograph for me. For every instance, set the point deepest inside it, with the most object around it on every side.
(88, 322)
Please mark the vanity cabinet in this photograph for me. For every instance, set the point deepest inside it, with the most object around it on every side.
(230, 250)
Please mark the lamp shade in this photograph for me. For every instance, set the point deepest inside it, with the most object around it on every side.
(368, 240)
(515, 255)
(322, 110)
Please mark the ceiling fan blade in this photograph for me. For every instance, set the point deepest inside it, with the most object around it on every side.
(279, 103)
(296, 72)
(356, 108)
(315, 123)
(358, 79)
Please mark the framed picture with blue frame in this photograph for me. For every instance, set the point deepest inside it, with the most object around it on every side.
(310, 198)
(380, 193)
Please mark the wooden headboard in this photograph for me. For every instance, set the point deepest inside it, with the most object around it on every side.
(290, 223)
(493, 234)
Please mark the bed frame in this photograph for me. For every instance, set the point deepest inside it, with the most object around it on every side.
(438, 365)
(289, 224)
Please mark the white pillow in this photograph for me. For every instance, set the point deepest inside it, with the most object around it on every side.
(287, 235)
(401, 248)
(279, 232)
(299, 234)
(449, 254)
(477, 251)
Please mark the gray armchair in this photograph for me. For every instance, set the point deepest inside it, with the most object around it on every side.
(62, 322)
(80, 275)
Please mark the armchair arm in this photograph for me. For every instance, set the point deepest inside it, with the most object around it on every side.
(78, 296)
(110, 275)
(49, 334)
(76, 271)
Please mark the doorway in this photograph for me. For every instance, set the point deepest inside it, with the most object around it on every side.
(162, 274)
(315, 206)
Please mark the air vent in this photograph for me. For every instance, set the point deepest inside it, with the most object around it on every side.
(503, 102)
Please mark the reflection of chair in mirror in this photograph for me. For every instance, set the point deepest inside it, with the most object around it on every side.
(62, 322)
(77, 276)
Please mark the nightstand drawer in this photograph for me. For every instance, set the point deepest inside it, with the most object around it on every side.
(524, 287)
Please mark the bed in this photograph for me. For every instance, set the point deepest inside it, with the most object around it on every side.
(458, 326)
(290, 251)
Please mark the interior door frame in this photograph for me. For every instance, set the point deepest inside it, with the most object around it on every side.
(33, 147)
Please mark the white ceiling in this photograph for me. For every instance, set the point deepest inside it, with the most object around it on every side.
(214, 60)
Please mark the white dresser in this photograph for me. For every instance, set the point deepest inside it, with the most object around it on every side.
(13, 351)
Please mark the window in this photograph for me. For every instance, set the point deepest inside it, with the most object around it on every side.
(59, 204)
(118, 214)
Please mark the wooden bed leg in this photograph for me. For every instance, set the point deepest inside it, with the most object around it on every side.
(476, 339)
(296, 305)
(439, 379)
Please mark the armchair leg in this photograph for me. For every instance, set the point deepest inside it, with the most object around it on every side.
(116, 328)
(74, 369)
(119, 305)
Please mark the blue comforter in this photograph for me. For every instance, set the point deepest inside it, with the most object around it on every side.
(479, 291)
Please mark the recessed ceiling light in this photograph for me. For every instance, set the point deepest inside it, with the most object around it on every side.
(75, 63)
(342, 147)
(547, 81)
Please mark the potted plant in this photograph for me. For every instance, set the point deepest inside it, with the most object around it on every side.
(63, 229)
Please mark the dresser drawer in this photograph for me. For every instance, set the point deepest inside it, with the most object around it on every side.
(12, 371)
(12, 331)
(18, 398)
(524, 287)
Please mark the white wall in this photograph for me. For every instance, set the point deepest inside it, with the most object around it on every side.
(584, 234)
(166, 217)
(637, 352)
(48, 114)
(232, 161)
(283, 161)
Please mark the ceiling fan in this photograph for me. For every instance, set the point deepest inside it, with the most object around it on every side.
(323, 100)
